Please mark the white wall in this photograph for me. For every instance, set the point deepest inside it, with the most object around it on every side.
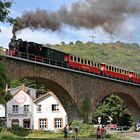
(20, 99)
(47, 112)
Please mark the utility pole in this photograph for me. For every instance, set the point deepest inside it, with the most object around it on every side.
(92, 38)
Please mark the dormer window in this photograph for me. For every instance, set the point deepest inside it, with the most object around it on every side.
(55, 107)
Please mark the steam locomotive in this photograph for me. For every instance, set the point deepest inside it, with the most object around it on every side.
(37, 52)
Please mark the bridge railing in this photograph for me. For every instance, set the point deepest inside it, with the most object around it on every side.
(40, 59)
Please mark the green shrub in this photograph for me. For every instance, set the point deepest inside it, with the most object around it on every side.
(20, 131)
(6, 134)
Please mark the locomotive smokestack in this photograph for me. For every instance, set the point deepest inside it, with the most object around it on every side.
(14, 34)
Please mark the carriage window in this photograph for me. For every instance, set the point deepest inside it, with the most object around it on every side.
(91, 63)
(125, 72)
(95, 65)
(112, 68)
(74, 58)
(120, 71)
(82, 61)
(88, 62)
(78, 59)
(107, 67)
(85, 61)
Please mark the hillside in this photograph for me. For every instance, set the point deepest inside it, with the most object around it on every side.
(118, 54)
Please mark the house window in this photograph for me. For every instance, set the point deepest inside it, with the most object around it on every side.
(15, 108)
(55, 107)
(26, 108)
(58, 123)
(38, 108)
(26, 123)
(14, 122)
(42, 123)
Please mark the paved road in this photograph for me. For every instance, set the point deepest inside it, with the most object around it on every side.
(132, 135)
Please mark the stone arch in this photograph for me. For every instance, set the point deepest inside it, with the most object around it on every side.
(62, 94)
(129, 100)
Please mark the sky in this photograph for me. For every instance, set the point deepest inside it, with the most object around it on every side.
(129, 31)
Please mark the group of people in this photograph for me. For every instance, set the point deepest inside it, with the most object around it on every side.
(100, 132)
(67, 131)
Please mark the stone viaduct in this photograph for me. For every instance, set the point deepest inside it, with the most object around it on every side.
(72, 87)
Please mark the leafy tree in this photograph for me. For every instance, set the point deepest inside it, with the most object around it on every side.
(41, 88)
(62, 43)
(4, 10)
(71, 43)
(78, 43)
(4, 97)
(112, 106)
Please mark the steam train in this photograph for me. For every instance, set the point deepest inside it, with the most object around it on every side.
(37, 52)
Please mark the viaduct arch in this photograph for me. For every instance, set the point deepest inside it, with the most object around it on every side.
(72, 88)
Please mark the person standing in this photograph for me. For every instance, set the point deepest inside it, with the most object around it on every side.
(103, 132)
(98, 132)
(65, 132)
(76, 133)
(68, 131)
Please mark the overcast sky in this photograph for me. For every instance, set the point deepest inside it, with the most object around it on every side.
(129, 32)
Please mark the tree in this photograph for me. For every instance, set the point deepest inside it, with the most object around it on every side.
(78, 43)
(4, 11)
(62, 43)
(41, 88)
(4, 97)
(113, 106)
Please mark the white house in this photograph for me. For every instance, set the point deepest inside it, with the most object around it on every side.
(49, 113)
(20, 110)
(45, 112)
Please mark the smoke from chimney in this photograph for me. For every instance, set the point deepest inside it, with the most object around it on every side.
(107, 14)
